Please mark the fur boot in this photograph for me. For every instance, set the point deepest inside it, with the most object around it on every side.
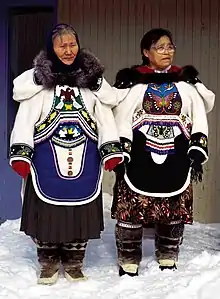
(168, 238)
(72, 255)
(49, 260)
(129, 248)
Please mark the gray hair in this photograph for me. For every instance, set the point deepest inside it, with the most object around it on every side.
(62, 29)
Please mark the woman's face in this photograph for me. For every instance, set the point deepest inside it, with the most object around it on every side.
(66, 48)
(161, 53)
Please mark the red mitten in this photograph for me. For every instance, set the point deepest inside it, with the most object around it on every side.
(21, 167)
(112, 163)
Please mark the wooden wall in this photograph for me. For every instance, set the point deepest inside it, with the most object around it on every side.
(112, 29)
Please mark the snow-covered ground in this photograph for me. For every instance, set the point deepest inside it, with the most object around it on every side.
(197, 277)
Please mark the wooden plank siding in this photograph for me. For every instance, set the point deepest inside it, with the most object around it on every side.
(113, 29)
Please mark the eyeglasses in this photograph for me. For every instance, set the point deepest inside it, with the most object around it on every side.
(161, 49)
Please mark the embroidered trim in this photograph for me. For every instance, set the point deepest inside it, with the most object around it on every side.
(68, 144)
(128, 225)
(110, 148)
(21, 150)
(161, 130)
(159, 148)
(68, 135)
(199, 140)
(181, 121)
(75, 118)
(126, 144)
(68, 106)
(75, 246)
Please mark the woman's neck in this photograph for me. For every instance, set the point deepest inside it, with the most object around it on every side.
(159, 70)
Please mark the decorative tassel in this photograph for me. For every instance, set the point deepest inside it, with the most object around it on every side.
(196, 172)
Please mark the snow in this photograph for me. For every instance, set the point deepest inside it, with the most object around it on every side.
(197, 277)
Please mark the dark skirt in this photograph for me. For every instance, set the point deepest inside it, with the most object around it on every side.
(57, 224)
(129, 206)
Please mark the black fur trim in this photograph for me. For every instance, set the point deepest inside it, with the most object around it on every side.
(129, 77)
(189, 74)
(189, 71)
(87, 76)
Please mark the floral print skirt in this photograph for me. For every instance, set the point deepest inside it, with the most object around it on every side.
(129, 206)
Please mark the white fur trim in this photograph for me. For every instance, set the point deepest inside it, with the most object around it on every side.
(20, 158)
(201, 150)
(127, 155)
(111, 156)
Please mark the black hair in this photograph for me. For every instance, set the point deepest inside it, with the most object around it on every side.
(150, 38)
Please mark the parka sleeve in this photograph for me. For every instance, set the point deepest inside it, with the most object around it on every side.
(25, 87)
(123, 113)
(22, 136)
(105, 93)
(199, 133)
(207, 95)
(108, 138)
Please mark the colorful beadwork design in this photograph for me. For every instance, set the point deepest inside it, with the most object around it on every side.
(110, 148)
(68, 135)
(162, 99)
(68, 106)
(199, 140)
(21, 150)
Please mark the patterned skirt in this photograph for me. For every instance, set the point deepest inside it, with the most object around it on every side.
(129, 206)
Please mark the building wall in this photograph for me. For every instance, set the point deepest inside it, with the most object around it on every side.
(10, 200)
(112, 30)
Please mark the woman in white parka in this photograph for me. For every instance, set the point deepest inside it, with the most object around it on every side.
(162, 123)
(64, 131)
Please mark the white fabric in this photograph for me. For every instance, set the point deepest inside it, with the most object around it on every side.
(193, 106)
(62, 155)
(25, 88)
(207, 95)
(36, 103)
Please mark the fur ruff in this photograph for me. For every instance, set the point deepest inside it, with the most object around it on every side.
(86, 76)
(129, 77)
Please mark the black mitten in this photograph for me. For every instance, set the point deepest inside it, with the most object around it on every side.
(196, 159)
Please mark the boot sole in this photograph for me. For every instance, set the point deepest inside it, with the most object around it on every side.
(72, 279)
(128, 269)
(48, 280)
(167, 264)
